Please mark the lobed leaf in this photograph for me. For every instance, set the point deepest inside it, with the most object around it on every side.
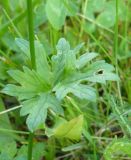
(42, 66)
(79, 90)
(84, 59)
(36, 109)
(21, 93)
(43, 88)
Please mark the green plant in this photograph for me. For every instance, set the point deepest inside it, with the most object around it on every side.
(118, 149)
(44, 88)
(82, 119)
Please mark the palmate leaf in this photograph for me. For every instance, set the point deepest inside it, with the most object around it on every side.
(58, 61)
(82, 61)
(30, 81)
(42, 66)
(64, 61)
(19, 92)
(68, 55)
(33, 92)
(45, 87)
(37, 109)
(79, 90)
(62, 47)
(70, 73)
(101, 71)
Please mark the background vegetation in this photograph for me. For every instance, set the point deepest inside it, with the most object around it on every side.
(101, 128)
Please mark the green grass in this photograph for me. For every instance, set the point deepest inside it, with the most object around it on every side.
(105, 29)
(33, 61)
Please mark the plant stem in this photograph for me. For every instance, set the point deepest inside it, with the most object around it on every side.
(31, 32)
(102, 26)
(116, 64)
(116, 34)
(12, 24)
(116, 51)
(9, 110)
(30, 145)
(33, 61)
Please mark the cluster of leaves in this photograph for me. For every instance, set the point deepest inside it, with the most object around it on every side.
(104, 9)
(42, 91)
(103, 13)
(45, 87)
(20, 154)
(9, 148)
(62, 9)
(44, 12)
